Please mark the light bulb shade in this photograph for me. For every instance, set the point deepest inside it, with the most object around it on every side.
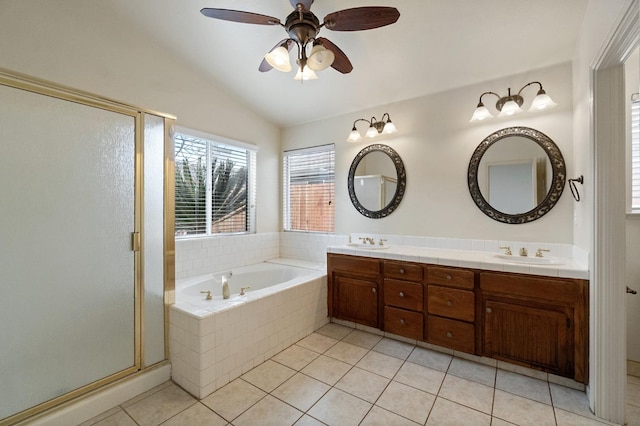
(354, 136)
(541, 102)
(481, 113)
(320, 58)
(510, 108)
(305, 75)
(371, 132)
(389, 128)
(278, 58)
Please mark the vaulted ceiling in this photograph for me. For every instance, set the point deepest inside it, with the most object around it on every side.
(436, 45)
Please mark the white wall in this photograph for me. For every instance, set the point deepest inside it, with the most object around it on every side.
(83, 44)
(436, 141)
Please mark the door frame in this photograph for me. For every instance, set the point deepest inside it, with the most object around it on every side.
(607, 255)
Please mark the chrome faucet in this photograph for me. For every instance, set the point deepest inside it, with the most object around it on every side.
(507, 250)
(524, 252)
(540, 250)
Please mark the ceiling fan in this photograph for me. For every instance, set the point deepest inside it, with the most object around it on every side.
(303, 27)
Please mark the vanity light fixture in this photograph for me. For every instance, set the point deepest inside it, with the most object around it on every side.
(511, 104)
(375, 129)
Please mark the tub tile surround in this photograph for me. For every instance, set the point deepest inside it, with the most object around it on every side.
(211, 350)
(203, 255)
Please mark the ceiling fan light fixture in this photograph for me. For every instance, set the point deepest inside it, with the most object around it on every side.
(306, 74)
(320, 58)
(278, 58)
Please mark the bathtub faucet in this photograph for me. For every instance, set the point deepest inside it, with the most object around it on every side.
(242, 289)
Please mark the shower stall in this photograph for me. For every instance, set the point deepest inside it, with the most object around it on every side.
(84, 250)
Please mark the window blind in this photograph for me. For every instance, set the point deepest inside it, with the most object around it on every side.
(309, 189)
(215, 187)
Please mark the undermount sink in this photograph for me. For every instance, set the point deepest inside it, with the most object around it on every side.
(529, 260)
(367, 246)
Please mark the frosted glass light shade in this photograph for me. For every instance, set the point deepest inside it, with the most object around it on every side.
(541, 102)
(354, 136)
(278, 58)
(389, 128)
(481, 113)
(305, 75)
(320, 58)
(371, 132)
(510, 108)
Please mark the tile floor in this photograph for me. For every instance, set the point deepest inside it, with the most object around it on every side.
(341, 376)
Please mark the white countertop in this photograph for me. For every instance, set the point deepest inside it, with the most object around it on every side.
(567, 268)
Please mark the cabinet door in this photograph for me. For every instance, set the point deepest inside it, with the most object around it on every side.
(356, 299)
(531, 336)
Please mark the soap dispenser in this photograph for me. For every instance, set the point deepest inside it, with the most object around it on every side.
(225, 288)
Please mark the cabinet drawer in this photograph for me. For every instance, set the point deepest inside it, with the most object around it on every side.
(450, 277)
(403, 271)
(403, 323)
(457, 335)
(355, 265)
(451, 303)
(402, 294)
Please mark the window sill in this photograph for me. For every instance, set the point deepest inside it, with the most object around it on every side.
(633, 215)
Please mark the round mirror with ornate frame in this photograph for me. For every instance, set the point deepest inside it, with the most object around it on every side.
(515, 188)
(377, 189)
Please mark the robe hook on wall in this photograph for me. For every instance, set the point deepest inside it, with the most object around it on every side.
(574, 188)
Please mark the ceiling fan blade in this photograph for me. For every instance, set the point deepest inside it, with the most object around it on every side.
(361, 18)
(306, 3)
(240, 16)
(341, 63)
(266, 66)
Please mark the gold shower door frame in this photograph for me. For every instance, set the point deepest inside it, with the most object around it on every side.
(23, 82)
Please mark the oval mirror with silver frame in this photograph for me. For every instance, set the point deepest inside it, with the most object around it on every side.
(516, 175)
(377, 181)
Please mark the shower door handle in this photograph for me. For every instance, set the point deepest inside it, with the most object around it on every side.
(631, 291)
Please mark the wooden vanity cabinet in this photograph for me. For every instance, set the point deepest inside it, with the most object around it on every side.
(354, 285)
(538, 322)
(534, 321)
(451, 305)
(403, 299)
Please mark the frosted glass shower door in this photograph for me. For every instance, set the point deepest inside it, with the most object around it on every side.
(67, 269)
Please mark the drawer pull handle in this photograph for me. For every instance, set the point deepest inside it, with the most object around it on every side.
(373, 289)
(401, 294)
(489, 310)
(402, 321)
(449, 334)
(449, 277)
(449, 303)
(401, 271)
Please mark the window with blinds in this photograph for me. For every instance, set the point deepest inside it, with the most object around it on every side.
(635, 156)
(309, 189)
(215, 187)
